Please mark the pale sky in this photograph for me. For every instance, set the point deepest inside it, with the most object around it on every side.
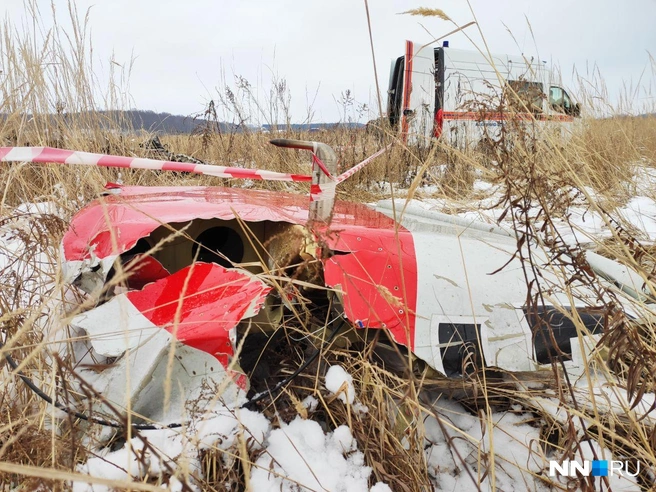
(184, 51)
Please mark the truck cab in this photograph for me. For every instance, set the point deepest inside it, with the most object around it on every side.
(460, 96)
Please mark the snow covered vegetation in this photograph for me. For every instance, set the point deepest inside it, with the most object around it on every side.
(140, 352)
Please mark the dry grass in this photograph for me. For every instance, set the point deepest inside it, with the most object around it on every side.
(426, 12)
(55, 106)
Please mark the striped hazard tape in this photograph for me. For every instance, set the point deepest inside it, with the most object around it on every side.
(344, 176)
(41, 155)
(503, 116)
(347, 174)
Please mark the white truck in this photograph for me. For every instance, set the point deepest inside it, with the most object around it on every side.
(464, 97)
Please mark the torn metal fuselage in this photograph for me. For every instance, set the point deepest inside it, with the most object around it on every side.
(188, 264)
(178, 268)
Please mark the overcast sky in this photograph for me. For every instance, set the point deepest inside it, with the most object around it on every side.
(185, 50)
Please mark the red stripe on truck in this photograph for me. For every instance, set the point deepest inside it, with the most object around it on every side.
(501, 116)
(407, 88)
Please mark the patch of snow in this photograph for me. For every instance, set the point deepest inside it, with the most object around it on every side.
(640, 212)
(468, 450)
(310, 402)
(169, 450)
(381, 487)
(612, 396)
(360, 408)
(175, 485)
(300, 456)
(224, 427)
(483, 186)
(336, 377)
(39, 208)
(122, 464)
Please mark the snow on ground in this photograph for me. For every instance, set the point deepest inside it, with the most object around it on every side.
(171, 450)
(584, 224)
(462, 453)
(297, 456)
(640, 212)
(27, 269)
(458, 447)
(20, 255)
(301, 453)
(339, 382)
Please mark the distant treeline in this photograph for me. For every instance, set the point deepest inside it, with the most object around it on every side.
(163, 123)
(167, 124)
(311, 126)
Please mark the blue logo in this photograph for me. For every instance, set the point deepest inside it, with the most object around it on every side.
(599, 468)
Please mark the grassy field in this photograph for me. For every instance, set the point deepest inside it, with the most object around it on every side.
(536, 183)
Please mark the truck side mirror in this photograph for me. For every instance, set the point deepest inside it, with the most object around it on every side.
(576, 111)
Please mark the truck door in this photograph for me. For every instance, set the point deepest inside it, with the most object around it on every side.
(418, 100)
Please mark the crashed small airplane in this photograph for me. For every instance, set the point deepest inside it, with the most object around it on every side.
(179, 276)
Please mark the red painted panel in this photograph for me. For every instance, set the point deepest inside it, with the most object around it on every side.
(144, 270)
(200, 304)
(137, 211)
(407, 88)
(380, 289)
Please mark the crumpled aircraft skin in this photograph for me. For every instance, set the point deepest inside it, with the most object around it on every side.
(199, 306)
(425, 279)
(372, 254)
(428, 282)
(178, 330)
(194, 311)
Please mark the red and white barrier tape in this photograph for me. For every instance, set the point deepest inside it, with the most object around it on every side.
(344, 176)
(322, 166)
(323, 191)
(42, 155)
